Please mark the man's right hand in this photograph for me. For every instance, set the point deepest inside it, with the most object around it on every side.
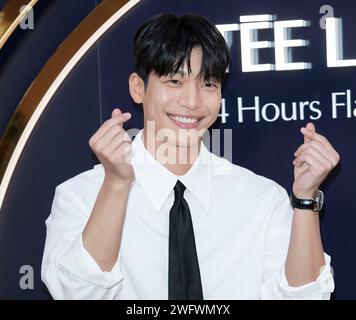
(112, 146)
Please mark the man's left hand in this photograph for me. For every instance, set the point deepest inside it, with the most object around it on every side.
(315, 158)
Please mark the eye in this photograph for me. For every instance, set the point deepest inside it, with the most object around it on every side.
(174, 81)
(210, 85)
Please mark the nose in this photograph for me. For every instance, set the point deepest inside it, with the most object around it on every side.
(190, 97)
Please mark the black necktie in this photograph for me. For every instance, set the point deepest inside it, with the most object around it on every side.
(184, 274)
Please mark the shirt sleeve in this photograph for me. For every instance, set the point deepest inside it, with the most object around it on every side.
(274, 281)
(68, 270)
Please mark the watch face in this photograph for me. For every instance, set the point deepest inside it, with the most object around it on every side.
(319, 200)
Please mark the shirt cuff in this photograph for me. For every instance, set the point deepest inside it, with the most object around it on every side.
(320, 289)
(81, 264)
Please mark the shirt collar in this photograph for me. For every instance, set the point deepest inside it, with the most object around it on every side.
(158, 182)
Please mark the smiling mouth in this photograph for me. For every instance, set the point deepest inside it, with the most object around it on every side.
(185, 120)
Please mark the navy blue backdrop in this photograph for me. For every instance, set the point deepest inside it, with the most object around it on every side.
(58, 147)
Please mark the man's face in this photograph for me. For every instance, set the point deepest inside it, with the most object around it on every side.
(181, 105)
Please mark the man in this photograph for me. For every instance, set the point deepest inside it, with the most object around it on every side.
(163, 218)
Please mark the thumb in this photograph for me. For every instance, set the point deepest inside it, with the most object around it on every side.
(123, 117)
(311, 128)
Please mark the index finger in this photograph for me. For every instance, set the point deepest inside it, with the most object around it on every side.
(123, 116)
(106, 126)
(318, 137)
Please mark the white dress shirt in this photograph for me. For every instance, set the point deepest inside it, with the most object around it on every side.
(242, 225)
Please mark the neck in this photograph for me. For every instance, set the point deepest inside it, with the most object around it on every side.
(177, 159)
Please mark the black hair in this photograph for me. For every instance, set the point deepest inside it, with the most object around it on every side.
(164, 43)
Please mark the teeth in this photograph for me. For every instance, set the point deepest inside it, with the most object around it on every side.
(184, 119)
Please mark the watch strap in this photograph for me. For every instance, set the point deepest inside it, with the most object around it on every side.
(307, 204)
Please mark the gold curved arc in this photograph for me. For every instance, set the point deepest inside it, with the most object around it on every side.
(49, 80)
(11, 17)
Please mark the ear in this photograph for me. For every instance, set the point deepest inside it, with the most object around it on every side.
(136, 87)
